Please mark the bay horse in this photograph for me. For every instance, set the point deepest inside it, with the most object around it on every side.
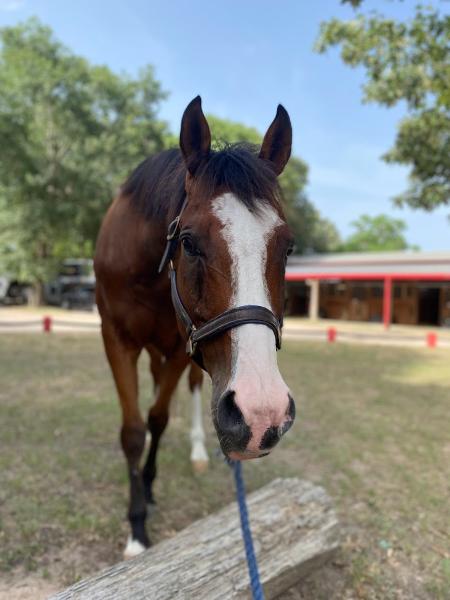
(190, 263)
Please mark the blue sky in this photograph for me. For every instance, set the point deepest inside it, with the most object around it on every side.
(244, 57)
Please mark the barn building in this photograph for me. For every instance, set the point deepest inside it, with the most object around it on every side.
(411, 288)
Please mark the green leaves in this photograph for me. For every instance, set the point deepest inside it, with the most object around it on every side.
(403, 61)
(69, 134)
(376, 234)
(423, 141)
(225, 131)
(407, 62)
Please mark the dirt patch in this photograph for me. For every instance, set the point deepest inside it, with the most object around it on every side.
(24, 586)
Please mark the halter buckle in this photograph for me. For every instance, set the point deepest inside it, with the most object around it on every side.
(172, 230)
(190, 345)
(171, 244)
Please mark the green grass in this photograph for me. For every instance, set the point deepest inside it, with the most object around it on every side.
(372, 427)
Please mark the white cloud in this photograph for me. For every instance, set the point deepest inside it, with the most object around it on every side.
(367, 183)
(359, 169)
(357, 181)
(11, 5)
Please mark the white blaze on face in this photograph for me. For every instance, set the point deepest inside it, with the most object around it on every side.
(260, 391)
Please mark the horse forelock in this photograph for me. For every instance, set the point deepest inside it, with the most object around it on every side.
(157, 186)
(236, 169)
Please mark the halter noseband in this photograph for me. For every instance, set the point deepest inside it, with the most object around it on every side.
(234, 317)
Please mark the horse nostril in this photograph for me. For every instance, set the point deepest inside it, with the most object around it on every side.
(273, 435)
(290, 414)
(291, 408)
(234, 432)
(229, 414)
(270, 438)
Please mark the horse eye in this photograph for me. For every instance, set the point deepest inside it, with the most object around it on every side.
(290, 250)
(189, 247)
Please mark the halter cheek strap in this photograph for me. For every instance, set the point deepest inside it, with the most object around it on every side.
(243, 315)
(235, 317)
(173, 236)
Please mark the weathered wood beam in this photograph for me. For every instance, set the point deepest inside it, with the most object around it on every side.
(295, 530)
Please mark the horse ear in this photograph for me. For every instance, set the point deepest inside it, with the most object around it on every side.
(277, 143)
(195, 137)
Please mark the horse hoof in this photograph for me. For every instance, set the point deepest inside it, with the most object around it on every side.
(133, 548)
(200, 466)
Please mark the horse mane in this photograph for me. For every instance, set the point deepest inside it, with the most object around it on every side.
(157, 186)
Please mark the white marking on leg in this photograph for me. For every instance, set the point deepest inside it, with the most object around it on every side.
(144, 454)
(261, 393)
(133, 548)
(199, 455)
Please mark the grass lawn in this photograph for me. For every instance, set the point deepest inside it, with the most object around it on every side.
(372, 427)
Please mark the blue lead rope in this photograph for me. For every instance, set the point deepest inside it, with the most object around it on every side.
(255, 583)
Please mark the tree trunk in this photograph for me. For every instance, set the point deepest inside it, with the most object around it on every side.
(36, 294)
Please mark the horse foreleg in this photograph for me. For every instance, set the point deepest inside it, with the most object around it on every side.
(157, 361)
(158, 415)
(123, 358)
(199, 455)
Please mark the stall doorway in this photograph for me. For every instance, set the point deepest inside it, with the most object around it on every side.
(429, 306)
(297, 299)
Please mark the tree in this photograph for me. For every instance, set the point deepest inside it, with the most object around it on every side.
(354, 3)
(69, 134)
(312, 232)
(228, 132)
(407, 62)
(376, 234)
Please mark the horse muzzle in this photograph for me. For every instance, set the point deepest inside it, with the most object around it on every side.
(246, 433)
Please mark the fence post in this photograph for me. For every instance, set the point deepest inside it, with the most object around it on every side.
(331, 334)
(47, 324)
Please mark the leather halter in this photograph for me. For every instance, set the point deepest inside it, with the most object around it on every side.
(234, 317)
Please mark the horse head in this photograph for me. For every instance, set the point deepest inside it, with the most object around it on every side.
(234, 242)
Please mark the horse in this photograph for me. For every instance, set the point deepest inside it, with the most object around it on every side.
(190, 263)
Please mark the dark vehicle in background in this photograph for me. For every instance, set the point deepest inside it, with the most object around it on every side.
(12, 291)
(74, 287)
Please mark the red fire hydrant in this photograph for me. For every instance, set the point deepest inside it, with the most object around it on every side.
(47, 324)
(331, 334)
(431, 340)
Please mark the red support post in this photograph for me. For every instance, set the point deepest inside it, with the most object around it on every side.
(47, 324)
(331, 334)
(387, 302)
